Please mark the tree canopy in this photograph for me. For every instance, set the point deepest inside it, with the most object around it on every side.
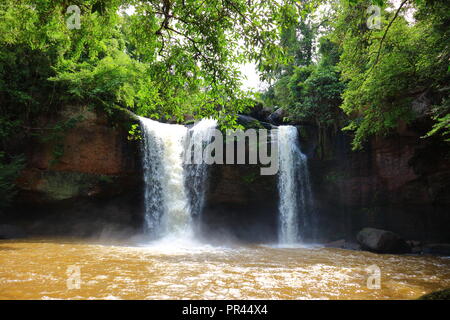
(371, 74)
(164, 59)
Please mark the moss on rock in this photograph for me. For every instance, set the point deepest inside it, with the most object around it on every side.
(58, 185)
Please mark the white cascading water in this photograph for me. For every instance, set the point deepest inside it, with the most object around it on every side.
(168, 203)
(196, 168)
(293, 186)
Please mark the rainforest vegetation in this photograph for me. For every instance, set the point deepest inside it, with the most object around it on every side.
(336, 64)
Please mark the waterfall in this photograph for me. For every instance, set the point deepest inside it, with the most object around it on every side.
(294, 188)
(166, 200)
(196, 168)
(174, 191)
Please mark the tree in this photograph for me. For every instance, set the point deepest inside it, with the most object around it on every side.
(386, 68)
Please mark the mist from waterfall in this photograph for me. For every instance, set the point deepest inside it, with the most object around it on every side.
(294, 188)
(174, 192)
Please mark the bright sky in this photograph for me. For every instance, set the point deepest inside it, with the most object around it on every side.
(251, 78)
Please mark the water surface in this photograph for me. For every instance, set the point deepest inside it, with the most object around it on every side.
(172, 269)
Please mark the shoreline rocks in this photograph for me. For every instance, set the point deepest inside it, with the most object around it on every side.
(343, 244)
(436, 295)
(382, 241)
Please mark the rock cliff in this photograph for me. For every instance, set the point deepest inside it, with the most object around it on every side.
(93, 182)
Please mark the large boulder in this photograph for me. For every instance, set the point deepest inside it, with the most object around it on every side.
(343, 244)
(260, 113)
(251, 123)
(277, 117)
(382, 241)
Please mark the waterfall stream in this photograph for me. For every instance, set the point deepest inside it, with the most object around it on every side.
(175, 177)
(195, 168)
(174, 191)
(294, 188)
(166, 200)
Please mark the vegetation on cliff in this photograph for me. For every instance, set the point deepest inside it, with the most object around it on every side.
(372, 70)
(160, 59)
(178, 59)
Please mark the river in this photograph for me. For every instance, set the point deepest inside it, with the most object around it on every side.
(174, 269)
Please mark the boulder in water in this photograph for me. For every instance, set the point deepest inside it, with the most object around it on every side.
(382, 241)
(8, 231)
(336, 244)
(436, 295)
(343, 244)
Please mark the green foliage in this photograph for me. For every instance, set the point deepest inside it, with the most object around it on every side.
(250, 178)
(309, 91)
(319, 96)
(386, 68)
(166, 60)
(134, 133)
(442, 124)
(372, 75)
(173, 59)
(8, 173)
(114, 81)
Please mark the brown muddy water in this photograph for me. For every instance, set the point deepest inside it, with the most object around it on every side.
(74, 269)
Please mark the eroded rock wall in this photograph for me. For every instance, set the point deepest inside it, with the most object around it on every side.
(94, 183)
(399, 183)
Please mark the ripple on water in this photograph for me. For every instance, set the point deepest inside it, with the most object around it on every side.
(188, 269)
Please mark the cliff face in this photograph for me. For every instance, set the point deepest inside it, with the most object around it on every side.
(400, 183)
(94, 181)
(241, 203)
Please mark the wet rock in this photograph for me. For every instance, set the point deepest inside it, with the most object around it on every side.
(382, 241)
(343, 244)
(277, 117)
(437, 295)
(8, 231)
(336, 244)
(250, 122)
(437, 248)
(352, 246)
(95, 182)
(416, 246)
(261, 113)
